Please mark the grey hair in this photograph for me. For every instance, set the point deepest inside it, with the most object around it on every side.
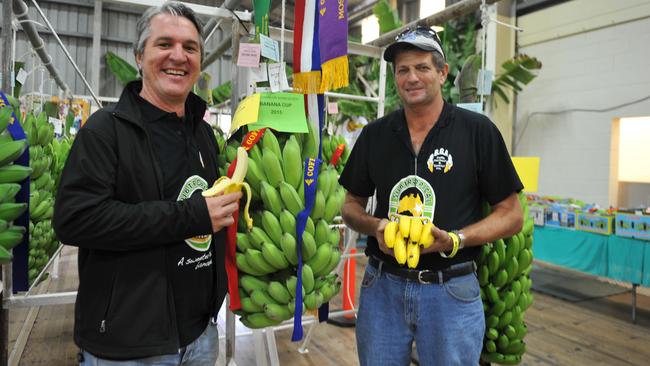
(143, 27)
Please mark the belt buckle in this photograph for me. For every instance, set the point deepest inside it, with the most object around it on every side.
(420, 280)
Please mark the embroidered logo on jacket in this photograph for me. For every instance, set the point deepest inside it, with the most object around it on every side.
(191, 185)
(441, 159)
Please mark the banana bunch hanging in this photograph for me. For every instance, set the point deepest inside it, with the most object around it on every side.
(405, 235)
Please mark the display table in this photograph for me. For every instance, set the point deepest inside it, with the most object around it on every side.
(611, 256)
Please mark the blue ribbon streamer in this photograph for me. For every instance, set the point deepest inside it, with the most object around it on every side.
(312, 167)
(21, 251)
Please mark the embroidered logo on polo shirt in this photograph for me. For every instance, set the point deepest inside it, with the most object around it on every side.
(412, 196)
(194, 183)
(441, 159)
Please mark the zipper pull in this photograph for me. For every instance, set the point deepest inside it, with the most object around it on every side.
(102, 327)
(201, 159)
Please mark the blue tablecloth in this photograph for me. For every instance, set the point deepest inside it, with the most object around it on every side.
(618, 258)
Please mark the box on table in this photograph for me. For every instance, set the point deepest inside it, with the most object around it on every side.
(595, 223)
(633, 226)
(560, 216)
(537, 214)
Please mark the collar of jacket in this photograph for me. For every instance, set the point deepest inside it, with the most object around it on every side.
(128, 108)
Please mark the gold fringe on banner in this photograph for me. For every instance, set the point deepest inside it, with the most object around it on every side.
(335, 74)
(307, 82)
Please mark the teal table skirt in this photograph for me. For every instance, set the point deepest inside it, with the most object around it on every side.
(618, 258)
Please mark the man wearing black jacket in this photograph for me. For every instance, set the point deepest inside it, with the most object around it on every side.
(151, 248)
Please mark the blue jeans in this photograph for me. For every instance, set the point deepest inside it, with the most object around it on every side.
(446, 321)
(202, 352)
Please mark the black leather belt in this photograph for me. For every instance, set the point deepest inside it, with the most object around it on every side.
(425, 276)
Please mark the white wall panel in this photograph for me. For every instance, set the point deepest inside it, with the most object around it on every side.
(593, 70)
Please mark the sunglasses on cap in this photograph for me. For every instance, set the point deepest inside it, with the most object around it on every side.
(418, 31)
(420, 37)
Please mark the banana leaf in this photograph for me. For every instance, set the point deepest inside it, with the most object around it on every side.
(387, 16)
(519, 71)
(123, 71)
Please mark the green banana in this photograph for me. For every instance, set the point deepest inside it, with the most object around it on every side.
(261, 298)
(8, 191)
(9, 239)
(271, 199)
(310, 145)
(5, 117)
(291, 283)
(243, 243)
(307, 278)
(272, 167)
(249, 306)
(322, 234)
(289, 247)
(255, 154)
(292, 162)
(269, 141)
(309, 226)
(309, 247)
(292, 307)
(14, 173)
(255, 176)
(292, 201)
(258, 321)
(324, 183)
(320, 260)
(257, 237)
(10, 211)
(255, 258)
(335, 257)
(271, 226)
(313, 300)
(335, 237)
(334, 204)
(242, 265)
(318, 209)
(279, 292)
(274, 256)
(251, 283)
(288, 222)
(10, 151)
(277, 312)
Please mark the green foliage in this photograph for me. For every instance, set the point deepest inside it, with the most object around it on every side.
(387, 16)
(222, 93)
(123, 71)
(458, 43)
(518, 72)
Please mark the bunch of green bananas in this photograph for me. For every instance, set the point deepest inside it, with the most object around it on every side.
(46, 158)
(10, 177)
(503, 273)
(268, 252)
(330, 145)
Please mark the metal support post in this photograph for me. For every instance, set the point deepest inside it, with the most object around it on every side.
(634, 286)
(97, 44)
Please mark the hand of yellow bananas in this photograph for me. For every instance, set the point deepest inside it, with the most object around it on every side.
(227, 185)
(405, 236)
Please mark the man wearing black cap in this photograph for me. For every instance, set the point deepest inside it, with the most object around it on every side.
(439, 163)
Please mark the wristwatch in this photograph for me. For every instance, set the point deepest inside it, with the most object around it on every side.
(461, 238)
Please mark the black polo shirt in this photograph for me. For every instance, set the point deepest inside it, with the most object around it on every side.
(463, 159)
(191, 271)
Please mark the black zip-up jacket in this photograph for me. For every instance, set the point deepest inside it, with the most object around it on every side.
(110, 204)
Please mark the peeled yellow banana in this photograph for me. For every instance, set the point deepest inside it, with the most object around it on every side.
(227, 185)
(390, 231)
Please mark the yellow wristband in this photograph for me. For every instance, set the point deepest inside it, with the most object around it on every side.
(456, 241)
